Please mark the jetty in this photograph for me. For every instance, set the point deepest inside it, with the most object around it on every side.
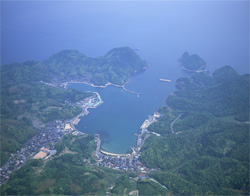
(138, 94)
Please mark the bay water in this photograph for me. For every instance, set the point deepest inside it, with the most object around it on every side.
(122, 113)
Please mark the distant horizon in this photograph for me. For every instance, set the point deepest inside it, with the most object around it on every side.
(36, 30)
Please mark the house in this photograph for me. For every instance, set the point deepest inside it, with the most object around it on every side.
(46, 150)
(142, 177)
(157, 115)
(68, 127)
(52, 152)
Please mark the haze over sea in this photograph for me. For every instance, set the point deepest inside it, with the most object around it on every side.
(217, 31)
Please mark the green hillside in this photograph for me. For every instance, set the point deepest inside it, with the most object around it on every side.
(115, 67)
(206, 152)
(72, 172)
(66, 173)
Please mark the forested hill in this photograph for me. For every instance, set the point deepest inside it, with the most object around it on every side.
(115, 67)
(204, 143)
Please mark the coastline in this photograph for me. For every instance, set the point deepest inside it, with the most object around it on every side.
(141, 138)
(82, 104)
(85, 105)
(64, 85)
(84, 112)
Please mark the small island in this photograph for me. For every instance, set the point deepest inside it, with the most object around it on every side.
(192, 63)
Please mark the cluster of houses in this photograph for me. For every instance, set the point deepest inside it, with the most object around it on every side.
(126, 162)
(43, 142)
(123, 163)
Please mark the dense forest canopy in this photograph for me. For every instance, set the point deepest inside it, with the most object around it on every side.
(115, 67)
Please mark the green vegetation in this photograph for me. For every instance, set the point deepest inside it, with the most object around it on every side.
(123, 185)
(26, 102)
(148, 187)
(115, 67)
(208, 153)
(66, 174)
(71, 172)
(84, 146)
(225, 95)
(192, 62)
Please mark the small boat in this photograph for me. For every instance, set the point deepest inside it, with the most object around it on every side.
(165, 80)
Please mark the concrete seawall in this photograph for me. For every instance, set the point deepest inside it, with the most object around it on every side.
(113, 154)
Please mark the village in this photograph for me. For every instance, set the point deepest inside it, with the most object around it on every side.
(44, 140)
(125, 162)
(41, 146)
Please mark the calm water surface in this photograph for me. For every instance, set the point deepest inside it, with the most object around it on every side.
(122, 113)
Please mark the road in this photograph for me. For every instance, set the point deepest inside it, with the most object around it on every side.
(163, 186)
(172, 124)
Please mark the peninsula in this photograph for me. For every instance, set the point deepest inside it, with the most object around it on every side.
(116, 67)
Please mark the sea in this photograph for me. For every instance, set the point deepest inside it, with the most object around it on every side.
(218, 31)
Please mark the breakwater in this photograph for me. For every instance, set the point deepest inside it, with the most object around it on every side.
(64, 85)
